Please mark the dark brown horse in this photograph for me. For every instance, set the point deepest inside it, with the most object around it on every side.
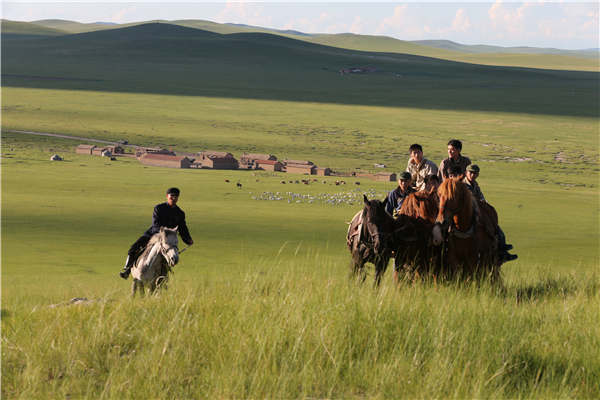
(470, 250)
(374, 236)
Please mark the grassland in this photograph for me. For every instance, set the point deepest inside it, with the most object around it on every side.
(261, 305)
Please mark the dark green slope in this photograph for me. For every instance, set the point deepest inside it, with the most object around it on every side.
(171, 59)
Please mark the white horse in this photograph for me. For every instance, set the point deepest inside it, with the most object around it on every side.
(154, 264)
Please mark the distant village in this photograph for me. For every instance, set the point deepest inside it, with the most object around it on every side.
(208, 159)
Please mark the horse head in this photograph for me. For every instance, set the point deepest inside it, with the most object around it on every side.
(168, 245)
(456, 207)
(375, 218)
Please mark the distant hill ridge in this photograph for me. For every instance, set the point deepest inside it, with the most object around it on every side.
(483, 48)
(585, 60)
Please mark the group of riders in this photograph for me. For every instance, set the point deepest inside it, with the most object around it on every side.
(423, 175)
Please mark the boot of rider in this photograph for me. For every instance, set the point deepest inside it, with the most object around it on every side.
(127, 267)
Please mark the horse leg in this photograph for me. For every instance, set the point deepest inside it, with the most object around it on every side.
(152, 286)
(380, 267)
(357, 264)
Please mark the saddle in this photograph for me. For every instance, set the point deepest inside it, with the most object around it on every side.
(354, 229)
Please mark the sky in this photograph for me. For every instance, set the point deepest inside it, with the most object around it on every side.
(559, 24)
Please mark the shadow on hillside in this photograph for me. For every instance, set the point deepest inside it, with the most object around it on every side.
(169, 60)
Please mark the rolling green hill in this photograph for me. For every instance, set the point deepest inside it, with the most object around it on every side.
(486, 55)
(15, 29)
(480, 48)
(171, 59)
(74, 27)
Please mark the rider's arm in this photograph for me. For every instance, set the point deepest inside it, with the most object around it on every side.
(184, 232)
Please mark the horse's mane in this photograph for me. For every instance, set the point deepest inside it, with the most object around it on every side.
(154, 239)
(452, 189)
(455, 190)
(422, 204)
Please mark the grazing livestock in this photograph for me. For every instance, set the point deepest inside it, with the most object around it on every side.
(239, 185)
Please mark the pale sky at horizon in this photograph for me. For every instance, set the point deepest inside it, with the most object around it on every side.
(566, 24)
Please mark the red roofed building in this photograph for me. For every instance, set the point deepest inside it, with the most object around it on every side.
(216, 160)
(269, 165)
(165, 160)
(248, 160)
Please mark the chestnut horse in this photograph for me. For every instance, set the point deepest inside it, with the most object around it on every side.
(421, 258)
(422, 204)
(470, 251)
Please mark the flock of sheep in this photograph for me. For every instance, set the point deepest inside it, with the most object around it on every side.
(353, 197)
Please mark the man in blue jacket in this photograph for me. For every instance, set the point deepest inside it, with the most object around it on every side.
(166, 214)
(396, 197)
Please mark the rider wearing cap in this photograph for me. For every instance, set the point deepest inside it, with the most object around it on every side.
(166, 214)
(471, 182)
(397, 196)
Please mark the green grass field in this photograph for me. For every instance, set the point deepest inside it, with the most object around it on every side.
(261, 306)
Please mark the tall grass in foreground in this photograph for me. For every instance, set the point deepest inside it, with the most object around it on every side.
(275, 334)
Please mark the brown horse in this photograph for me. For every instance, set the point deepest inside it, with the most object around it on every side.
(470, 250)
(374, 236)
(422, 204)
(421, 258)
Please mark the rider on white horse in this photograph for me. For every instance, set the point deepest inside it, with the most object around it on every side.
(165, 214)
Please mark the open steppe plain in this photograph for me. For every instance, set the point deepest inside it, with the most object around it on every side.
(261, 306)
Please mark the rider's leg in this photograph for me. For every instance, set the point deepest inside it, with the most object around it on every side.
(132, 255)
(503, 247)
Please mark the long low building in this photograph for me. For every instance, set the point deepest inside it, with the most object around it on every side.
(85, 149)
(165, 160)
(269, 165)
(216, 160)
(301, 169)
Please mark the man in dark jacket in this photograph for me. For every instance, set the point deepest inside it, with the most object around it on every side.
(396, 197)
(165, 214)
